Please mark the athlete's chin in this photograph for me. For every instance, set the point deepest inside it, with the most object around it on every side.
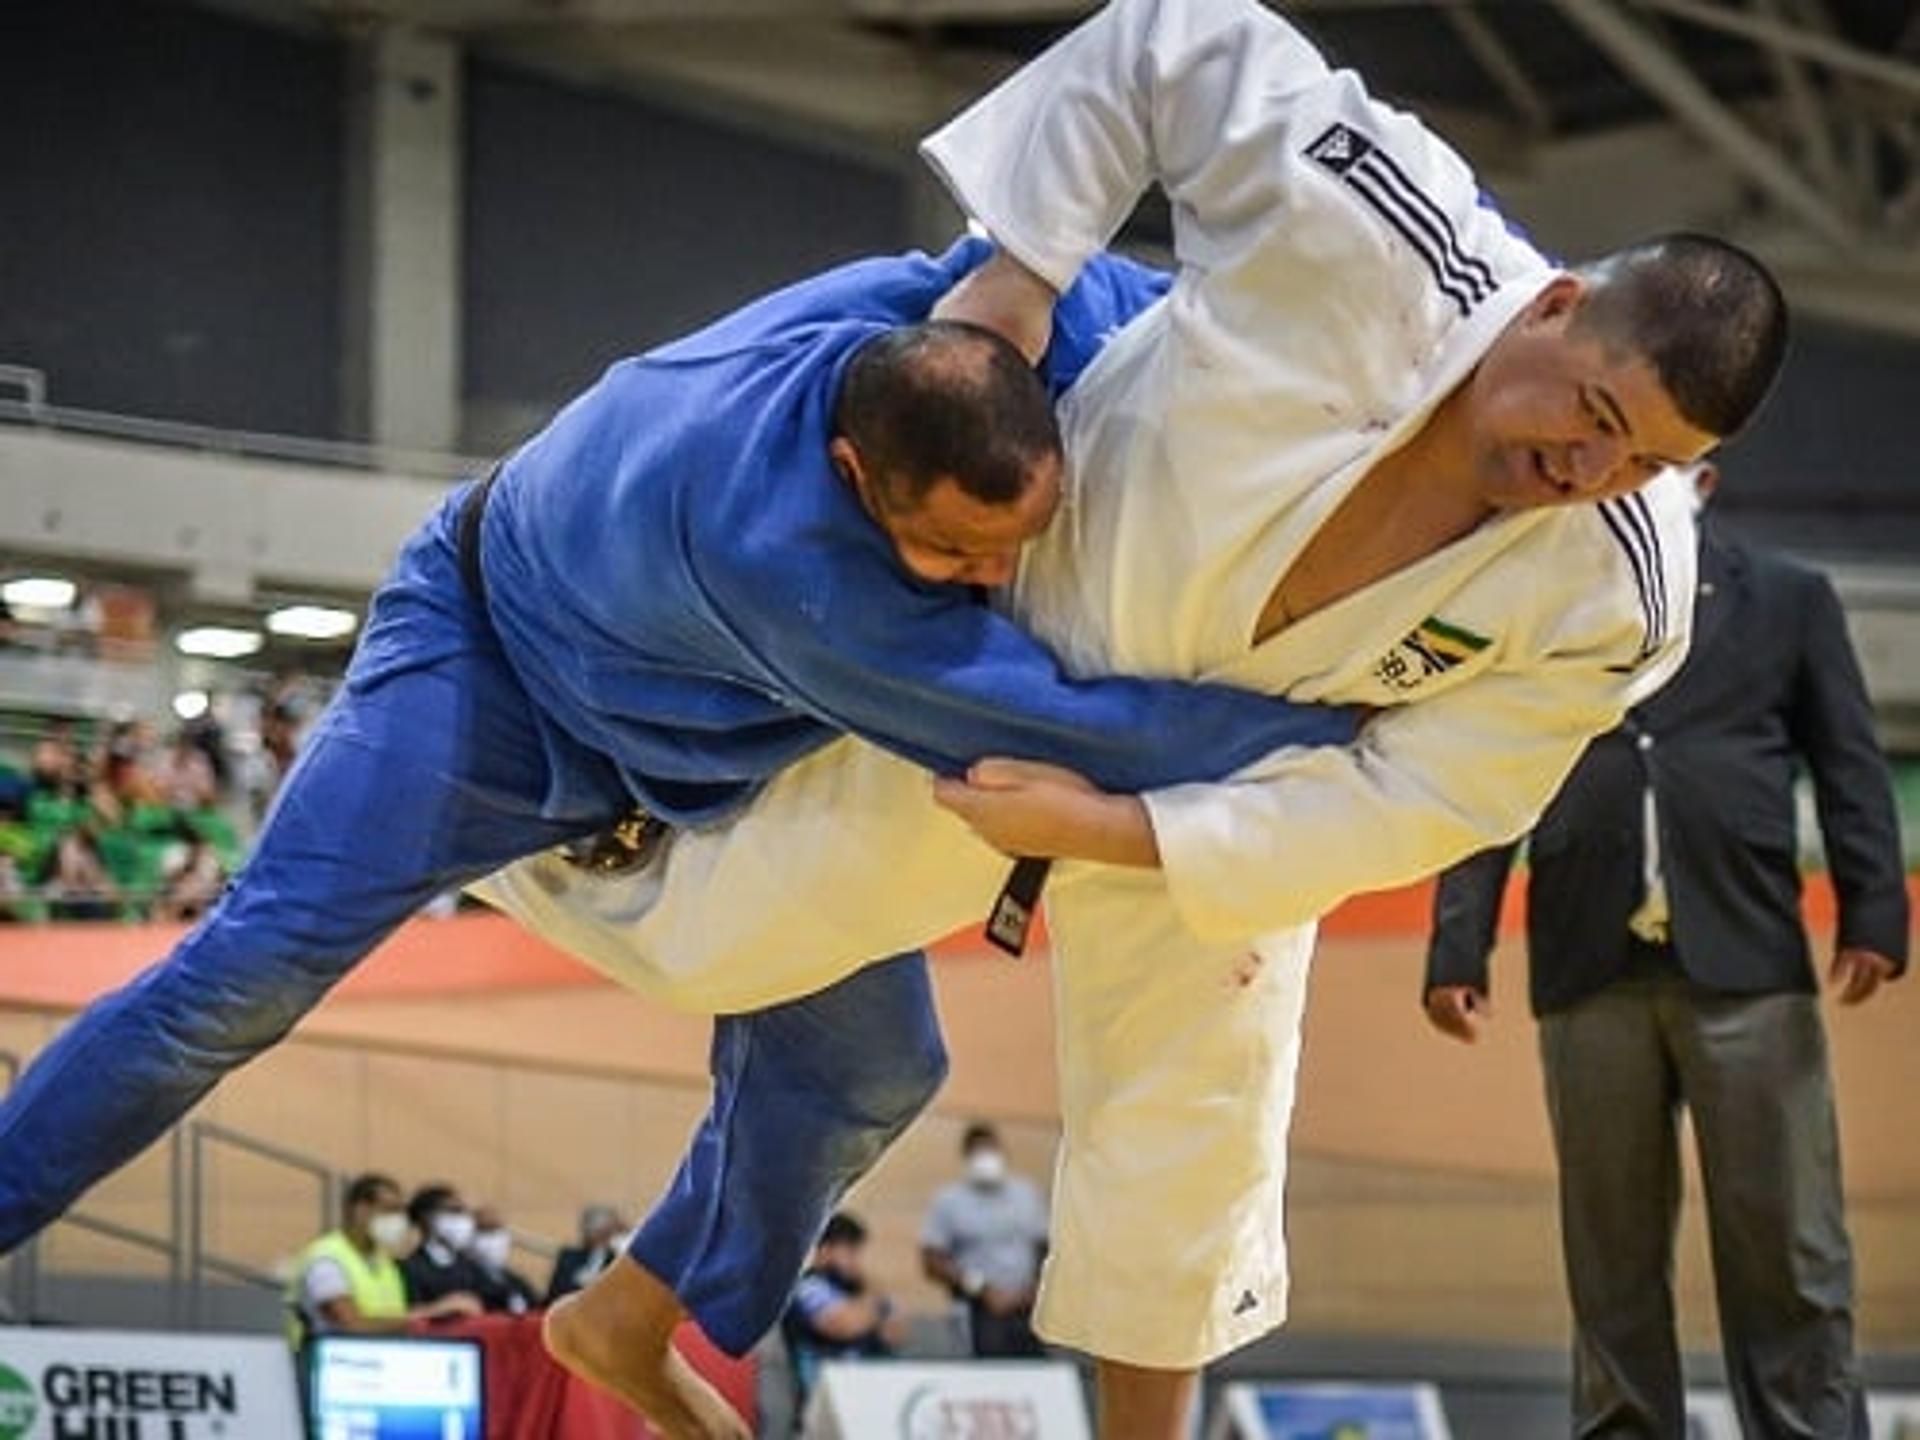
(1519, 480)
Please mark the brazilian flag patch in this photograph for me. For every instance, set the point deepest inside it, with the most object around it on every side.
(1433, 648)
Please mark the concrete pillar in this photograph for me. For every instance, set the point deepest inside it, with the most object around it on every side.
(401, 331)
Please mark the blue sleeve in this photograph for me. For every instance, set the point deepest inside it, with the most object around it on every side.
(932, 674)
(1110, 292)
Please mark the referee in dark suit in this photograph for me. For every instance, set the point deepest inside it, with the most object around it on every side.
(1669, 967)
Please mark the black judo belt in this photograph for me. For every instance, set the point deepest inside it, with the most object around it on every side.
(635, 840)
(1012, 915)
(467, 536)
(631, 842)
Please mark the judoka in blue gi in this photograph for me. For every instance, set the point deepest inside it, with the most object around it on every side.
(723, 555)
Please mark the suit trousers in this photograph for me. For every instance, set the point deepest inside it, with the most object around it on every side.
(1752, 1072)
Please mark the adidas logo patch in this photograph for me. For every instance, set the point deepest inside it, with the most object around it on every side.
(1247, 1301)
(1340, 148)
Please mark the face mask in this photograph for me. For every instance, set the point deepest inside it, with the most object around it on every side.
(492, 1247)
(389, 1230)
(453, 1229)
(986, 1167)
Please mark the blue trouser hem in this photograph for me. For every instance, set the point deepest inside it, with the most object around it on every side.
(806, 1098)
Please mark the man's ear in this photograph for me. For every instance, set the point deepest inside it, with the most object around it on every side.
(1560, 301)
(846, 459)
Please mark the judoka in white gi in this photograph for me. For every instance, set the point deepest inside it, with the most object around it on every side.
(1372, 449)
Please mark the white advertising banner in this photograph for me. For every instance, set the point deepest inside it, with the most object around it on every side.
(1710, 1416)
(1896, 1414)
(129, 1385)
(977, 1400)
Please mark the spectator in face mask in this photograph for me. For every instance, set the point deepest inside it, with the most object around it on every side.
(348, 1282)
(440, 1265)
(834, 1314)
(983, 1239)
(600, 1230)
(504, 1289)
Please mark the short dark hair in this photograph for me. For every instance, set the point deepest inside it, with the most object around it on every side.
(365, 1189)
(978, 1133)
(427, 1201)
(946, 399)
(843, 1229)
(1707, 316)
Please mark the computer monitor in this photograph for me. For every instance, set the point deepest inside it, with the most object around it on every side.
(392, 1388)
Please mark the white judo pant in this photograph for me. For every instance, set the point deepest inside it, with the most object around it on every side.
(1177, 1056)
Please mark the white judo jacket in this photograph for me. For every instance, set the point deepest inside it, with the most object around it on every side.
(1338, 276)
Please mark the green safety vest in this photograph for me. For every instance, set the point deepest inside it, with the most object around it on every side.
(376, 1286)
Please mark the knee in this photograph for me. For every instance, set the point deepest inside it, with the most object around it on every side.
(927, 1072)
(890, 1096)
(224, 994)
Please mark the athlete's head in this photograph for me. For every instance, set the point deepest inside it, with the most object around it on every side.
(950, 440)
(1645, 359)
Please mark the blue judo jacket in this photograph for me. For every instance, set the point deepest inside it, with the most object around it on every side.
(688, 588)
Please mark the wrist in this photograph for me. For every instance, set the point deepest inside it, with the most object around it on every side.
(973, 1284)
(1118, 831)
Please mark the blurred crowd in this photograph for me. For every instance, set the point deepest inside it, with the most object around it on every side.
(118, 820)
(115, 823)
(398, 1261)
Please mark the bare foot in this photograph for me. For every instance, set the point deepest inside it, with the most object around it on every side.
(620, 1339)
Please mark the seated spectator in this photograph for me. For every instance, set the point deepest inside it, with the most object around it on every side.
(577, 1265)
(75, 881)
(125, 765)
(439, 1265)
(833, 1315)
(208, 734)
(347, 1282)
(183, 775)
(192, 880)
(983, 1239)
(504, 1289)
(13, 891)
(55, 766)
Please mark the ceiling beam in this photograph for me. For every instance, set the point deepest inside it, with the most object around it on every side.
(1501, 66)
(1807, 108)
(1643, 57)
(885, 92)
(942, 12)
(1828, 50)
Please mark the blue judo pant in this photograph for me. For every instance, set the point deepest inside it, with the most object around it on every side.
(426, 772)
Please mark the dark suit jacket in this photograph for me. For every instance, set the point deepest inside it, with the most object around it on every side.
(428, 1279)
(1771, 682)
(574, 1267)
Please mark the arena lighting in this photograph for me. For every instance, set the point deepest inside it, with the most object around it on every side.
(39, 592)
(312, 622)
(218, 642)
(191, 704)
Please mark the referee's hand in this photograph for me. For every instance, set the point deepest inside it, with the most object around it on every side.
(1458, 1011)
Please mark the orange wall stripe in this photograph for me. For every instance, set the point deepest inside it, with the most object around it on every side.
(67, 965)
